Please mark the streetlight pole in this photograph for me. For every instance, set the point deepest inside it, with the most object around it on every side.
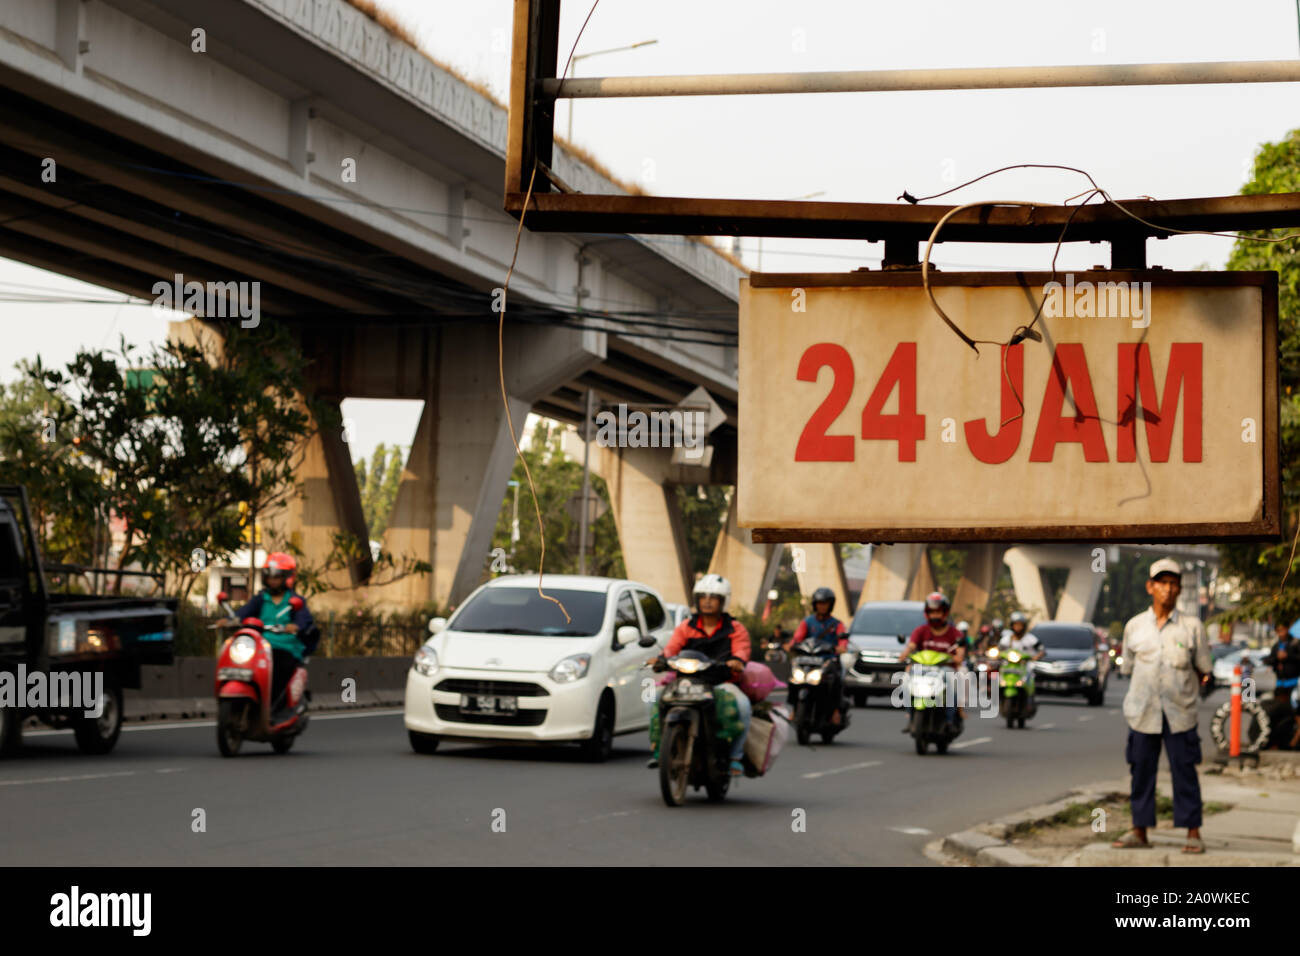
(820, 192)
(586, 485)
(573, 66)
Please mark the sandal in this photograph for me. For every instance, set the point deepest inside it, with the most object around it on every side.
(1130, 841)
(1194, 845)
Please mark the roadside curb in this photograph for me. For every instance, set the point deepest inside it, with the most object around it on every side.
(988, 844)
(141, 710)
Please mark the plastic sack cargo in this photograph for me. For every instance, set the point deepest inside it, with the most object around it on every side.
(757, 681)
(767, 736)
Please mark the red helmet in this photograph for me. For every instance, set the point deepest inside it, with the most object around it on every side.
(936, 601)
(284, 563)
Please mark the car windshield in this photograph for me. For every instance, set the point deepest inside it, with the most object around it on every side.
(1066, 638)
(520, 610)
(1219, 651)
(886, 620)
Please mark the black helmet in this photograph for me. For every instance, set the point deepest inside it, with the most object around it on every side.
(824, 594)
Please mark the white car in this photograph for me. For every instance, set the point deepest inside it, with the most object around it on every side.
(508, 667)
(677, 613)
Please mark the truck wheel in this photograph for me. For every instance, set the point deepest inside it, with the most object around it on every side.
(98, 735)
(11, 730)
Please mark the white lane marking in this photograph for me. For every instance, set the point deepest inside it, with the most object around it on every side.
(972, 743)
(1085, 716)
(82, 776)
(1044, 727)
(212, 723)
(86, 776)
(1112, 712)
(855, 766)
(915, 831)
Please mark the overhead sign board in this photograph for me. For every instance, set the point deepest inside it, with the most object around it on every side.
(1146, 412)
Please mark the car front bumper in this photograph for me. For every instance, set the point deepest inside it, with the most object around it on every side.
(547, 712)
(873, 677)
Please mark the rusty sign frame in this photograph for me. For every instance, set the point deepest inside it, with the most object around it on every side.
(555, 208)
(1267, 524)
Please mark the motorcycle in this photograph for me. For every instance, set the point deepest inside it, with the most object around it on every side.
(243, 688)
(690, 752)
(773, 651)
(1016, 703)
(817, 692)
(927, 678)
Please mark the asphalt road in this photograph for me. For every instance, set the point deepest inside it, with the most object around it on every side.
(353, 792)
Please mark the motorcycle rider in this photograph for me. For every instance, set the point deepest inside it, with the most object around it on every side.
(1029, 646)
(826, 631)
(271, 606)
(714, 632)
(937, 634)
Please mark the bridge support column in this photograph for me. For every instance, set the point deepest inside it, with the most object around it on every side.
(455, 478)
(897, 573)
(649, 522)
(978, 578)
(1082, 588)
(746, 564)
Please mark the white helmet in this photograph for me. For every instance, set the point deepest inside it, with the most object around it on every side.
(714, 584)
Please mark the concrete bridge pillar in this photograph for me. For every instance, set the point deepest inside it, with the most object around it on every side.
(743, 562)
(978, 578)
(1082, 586)
(649, 522)
(898, 572)
(822, 568)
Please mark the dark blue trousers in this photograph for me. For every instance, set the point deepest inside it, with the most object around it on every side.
(1143, 756)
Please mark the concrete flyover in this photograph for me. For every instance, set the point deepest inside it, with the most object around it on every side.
(299, 145)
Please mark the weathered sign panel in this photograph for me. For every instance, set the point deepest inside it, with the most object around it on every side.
(1147, 412)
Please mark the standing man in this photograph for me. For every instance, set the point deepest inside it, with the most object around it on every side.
(1165, 652)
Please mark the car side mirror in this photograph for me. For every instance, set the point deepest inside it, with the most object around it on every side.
(627, 634)
(902, 639)
(296, 603)
(647, 640)
(437, 625)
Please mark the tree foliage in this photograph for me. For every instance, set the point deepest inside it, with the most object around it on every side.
(557, 480)
(378, 485)
(1261, 569)
(180, 436)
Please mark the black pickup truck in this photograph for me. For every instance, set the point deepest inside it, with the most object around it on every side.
(65, 658)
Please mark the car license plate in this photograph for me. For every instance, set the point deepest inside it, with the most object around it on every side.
(1054, 685)
(485, 704)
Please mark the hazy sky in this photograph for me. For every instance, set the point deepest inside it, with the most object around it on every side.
(1164, 142)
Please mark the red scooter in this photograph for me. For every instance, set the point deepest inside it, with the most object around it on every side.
(243, 688)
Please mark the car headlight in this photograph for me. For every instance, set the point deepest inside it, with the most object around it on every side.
(242, 651)
(814, 677)
(1089, 665)
(1120, 660)
(993, 652)
(571, 669)
(426, 661)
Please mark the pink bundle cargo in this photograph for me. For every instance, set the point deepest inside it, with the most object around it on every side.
(758, 681)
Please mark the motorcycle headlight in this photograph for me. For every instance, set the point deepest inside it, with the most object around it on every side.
(993, 652)
(797, 676)
(571, 669)
(1013, 657)
(683, 665)
(1089, 665)
(426, 661)
(242, 651)
(814, 677)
